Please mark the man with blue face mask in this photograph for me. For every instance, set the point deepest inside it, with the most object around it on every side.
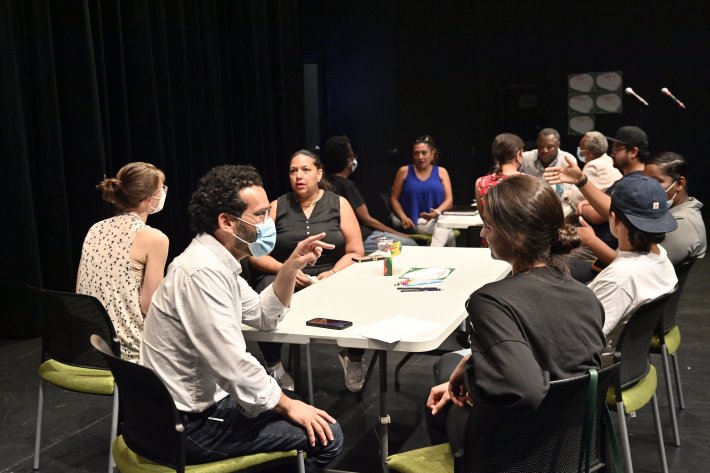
(193, 338)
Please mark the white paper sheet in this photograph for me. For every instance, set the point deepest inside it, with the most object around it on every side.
(394, 329)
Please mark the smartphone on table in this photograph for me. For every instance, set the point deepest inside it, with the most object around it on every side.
(329, 323)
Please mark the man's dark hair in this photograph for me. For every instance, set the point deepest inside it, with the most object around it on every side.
(639, 240)
(336, 151)
(218, 192)
(549, 131)
(642, 154)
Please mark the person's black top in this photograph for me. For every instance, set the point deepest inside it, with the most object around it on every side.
(527, 330)
(292, 227)
(348, 189)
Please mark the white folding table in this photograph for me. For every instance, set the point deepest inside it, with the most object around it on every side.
(361, 294)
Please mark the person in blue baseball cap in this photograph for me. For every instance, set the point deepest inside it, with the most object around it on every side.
(641, 272)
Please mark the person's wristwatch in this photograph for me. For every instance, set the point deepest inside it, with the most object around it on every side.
(582, 182)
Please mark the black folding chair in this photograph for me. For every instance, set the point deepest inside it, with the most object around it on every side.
(548, 439)
(68, 360)
(152, 433)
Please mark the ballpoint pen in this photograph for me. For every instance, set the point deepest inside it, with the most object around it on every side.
(417, 289)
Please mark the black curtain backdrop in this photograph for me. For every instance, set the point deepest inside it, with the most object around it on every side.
(87, 86)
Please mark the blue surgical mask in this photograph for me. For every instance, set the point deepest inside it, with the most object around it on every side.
(265, 237)
(581, 156)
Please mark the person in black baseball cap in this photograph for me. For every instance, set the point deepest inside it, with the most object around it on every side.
(629, 142)
(641, 271)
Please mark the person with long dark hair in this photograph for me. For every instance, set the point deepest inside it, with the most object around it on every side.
(308, 210)
(507, 153)
(518, 344)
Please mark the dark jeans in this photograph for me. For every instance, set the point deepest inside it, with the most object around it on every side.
(223, 431)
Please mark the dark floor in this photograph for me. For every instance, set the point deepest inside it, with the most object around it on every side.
(76, 427)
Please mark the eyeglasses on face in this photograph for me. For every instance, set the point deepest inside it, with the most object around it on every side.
(165, 189)
(260, 217)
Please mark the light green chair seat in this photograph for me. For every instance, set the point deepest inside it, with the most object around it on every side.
(128, 462)
(436, 459)
(637, 395)
(424, 239)
(672, 339)
(74, 378)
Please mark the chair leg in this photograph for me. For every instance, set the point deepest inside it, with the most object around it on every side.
(114, 428)
(301, 462)
(678, 385)
(659, 434)
(309, 374)
(399, 366)
(669, 391)
(38, 432)
(624, 434)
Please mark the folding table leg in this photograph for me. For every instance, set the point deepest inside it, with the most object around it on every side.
(384, 413)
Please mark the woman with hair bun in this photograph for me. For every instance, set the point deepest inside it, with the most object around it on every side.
(123, 259)
(535, 326)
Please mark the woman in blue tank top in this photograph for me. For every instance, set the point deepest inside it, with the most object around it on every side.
(421, 191)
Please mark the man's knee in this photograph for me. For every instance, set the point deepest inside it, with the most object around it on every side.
(321, 455)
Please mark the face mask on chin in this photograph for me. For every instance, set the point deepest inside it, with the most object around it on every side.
(161, 203)
(265, 237)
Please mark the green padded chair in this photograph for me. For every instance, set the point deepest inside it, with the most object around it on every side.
(637, 382)
(549, 438)
(68, 361)
(666, 342)
(153, 438)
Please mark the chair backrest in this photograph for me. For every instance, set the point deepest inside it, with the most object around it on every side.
(682, 270)
(549, 439)
(68, 319)
(635, 341)
(150, 423)
(385, 199)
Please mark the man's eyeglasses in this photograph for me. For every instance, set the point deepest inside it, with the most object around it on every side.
(260, 217)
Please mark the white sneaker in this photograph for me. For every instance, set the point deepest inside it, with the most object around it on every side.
(281, 376)
(354, 372)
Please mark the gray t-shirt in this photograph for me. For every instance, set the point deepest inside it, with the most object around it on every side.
(689, 239)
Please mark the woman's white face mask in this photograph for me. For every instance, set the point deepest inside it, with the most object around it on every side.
(670, 201)
(161, 201)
